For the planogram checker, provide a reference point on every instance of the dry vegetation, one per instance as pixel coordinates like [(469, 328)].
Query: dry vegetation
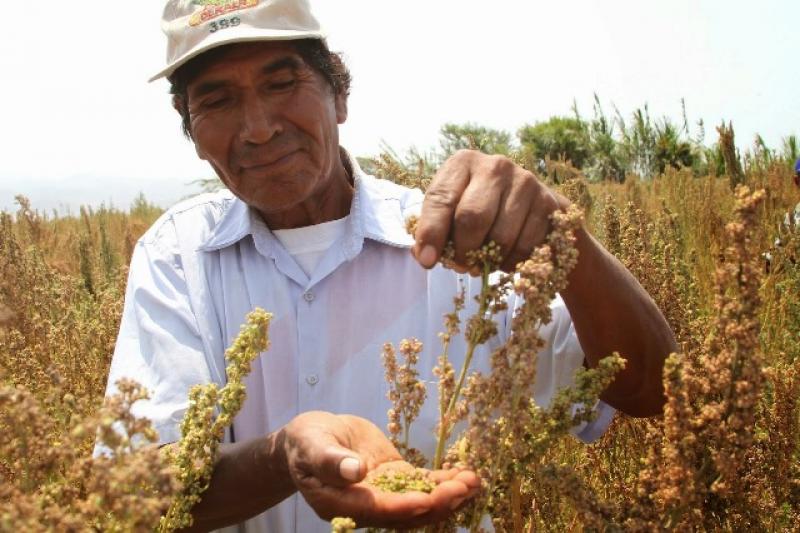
[(725, 456)]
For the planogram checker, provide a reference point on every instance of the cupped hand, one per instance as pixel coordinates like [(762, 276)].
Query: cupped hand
[(476, 198), (330, 456)]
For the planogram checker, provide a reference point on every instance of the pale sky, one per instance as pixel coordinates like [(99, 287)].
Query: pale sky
[(81, 123)]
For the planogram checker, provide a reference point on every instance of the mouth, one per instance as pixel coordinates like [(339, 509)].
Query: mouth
[(263, 166)]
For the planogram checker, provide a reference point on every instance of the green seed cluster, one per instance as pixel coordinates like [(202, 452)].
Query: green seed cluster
[(417, 480), (342, 525), (202, 431)]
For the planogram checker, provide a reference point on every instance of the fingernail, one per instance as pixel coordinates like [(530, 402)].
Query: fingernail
[(427, 257), (350, 468)]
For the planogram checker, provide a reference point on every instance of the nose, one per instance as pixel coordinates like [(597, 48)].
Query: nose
[(259, 124)]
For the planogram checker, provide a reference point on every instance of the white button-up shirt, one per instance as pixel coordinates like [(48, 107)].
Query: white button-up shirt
[(210, 260)]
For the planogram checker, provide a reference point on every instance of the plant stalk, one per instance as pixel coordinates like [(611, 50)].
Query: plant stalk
[(471, 345)]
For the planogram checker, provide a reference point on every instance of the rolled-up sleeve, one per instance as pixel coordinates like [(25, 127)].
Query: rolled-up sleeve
[(159, 343)]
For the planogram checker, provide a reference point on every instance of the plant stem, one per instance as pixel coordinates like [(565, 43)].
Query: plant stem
[(406, 423), (472, 343), (442, 408), (500, 465), (516, 504), (437, 459)]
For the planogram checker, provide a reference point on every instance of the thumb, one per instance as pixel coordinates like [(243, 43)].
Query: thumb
[(340, 466)]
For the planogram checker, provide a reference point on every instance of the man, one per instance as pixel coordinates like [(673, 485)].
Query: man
[(306, 235), (787, 227)]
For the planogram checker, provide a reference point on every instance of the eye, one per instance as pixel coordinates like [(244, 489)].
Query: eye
[(216, 103), (281, 85)]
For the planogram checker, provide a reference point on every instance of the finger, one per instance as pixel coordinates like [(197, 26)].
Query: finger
[(513, 211), (438, 208), (447, 497), (445, 474), (477, 210), (368, 506), (534, 231), (430, 508), (330, 464), (469, 478), (460, 269), (369, 441), (446, 491)]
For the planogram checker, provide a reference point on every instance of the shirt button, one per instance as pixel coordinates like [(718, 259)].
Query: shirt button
[(308, 296), (312, 380)]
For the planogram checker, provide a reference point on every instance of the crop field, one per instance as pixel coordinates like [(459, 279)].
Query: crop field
[(725, 456)]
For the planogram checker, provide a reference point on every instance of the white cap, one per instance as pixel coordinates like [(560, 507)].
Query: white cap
[(196, 26)]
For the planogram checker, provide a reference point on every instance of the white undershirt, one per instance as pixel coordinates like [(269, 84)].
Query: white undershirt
[(308, 244)]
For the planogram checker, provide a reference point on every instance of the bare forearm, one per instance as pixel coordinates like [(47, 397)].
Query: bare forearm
[(475, 198), (249, 477), (612, 312)]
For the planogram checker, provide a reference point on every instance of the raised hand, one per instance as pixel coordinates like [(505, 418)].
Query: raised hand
[(475, 198)]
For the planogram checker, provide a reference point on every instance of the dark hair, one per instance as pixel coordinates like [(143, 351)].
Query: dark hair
[(315, 54)]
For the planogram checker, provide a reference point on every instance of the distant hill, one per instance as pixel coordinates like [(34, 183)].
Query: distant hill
[(68, 194)]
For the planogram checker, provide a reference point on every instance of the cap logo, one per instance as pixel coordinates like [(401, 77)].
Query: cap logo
[(211, 9)]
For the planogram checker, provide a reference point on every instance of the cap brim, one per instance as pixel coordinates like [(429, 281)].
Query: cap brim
[(242, 35)]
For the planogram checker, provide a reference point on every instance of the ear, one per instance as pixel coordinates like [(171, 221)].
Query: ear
[(177, 103), (340, 102)]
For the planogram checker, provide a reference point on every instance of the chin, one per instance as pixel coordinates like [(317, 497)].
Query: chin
[(277, 201)]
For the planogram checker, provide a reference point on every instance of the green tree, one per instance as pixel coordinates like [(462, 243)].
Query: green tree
[(557, 138), (607, 161), (472, 136), (762, 155), (638, 142), (671, 150), (714, 160)]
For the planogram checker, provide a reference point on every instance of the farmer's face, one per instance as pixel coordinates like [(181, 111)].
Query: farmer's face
[(268, 124)]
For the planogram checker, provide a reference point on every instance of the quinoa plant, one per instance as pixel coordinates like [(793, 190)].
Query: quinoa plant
[(211, 411), (506, 432), (54, 485), (725, 456)]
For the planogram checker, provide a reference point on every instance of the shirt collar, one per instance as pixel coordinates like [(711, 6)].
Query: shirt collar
[(377, 212)]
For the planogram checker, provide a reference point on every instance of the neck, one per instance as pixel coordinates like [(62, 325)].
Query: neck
[(330, 202)]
